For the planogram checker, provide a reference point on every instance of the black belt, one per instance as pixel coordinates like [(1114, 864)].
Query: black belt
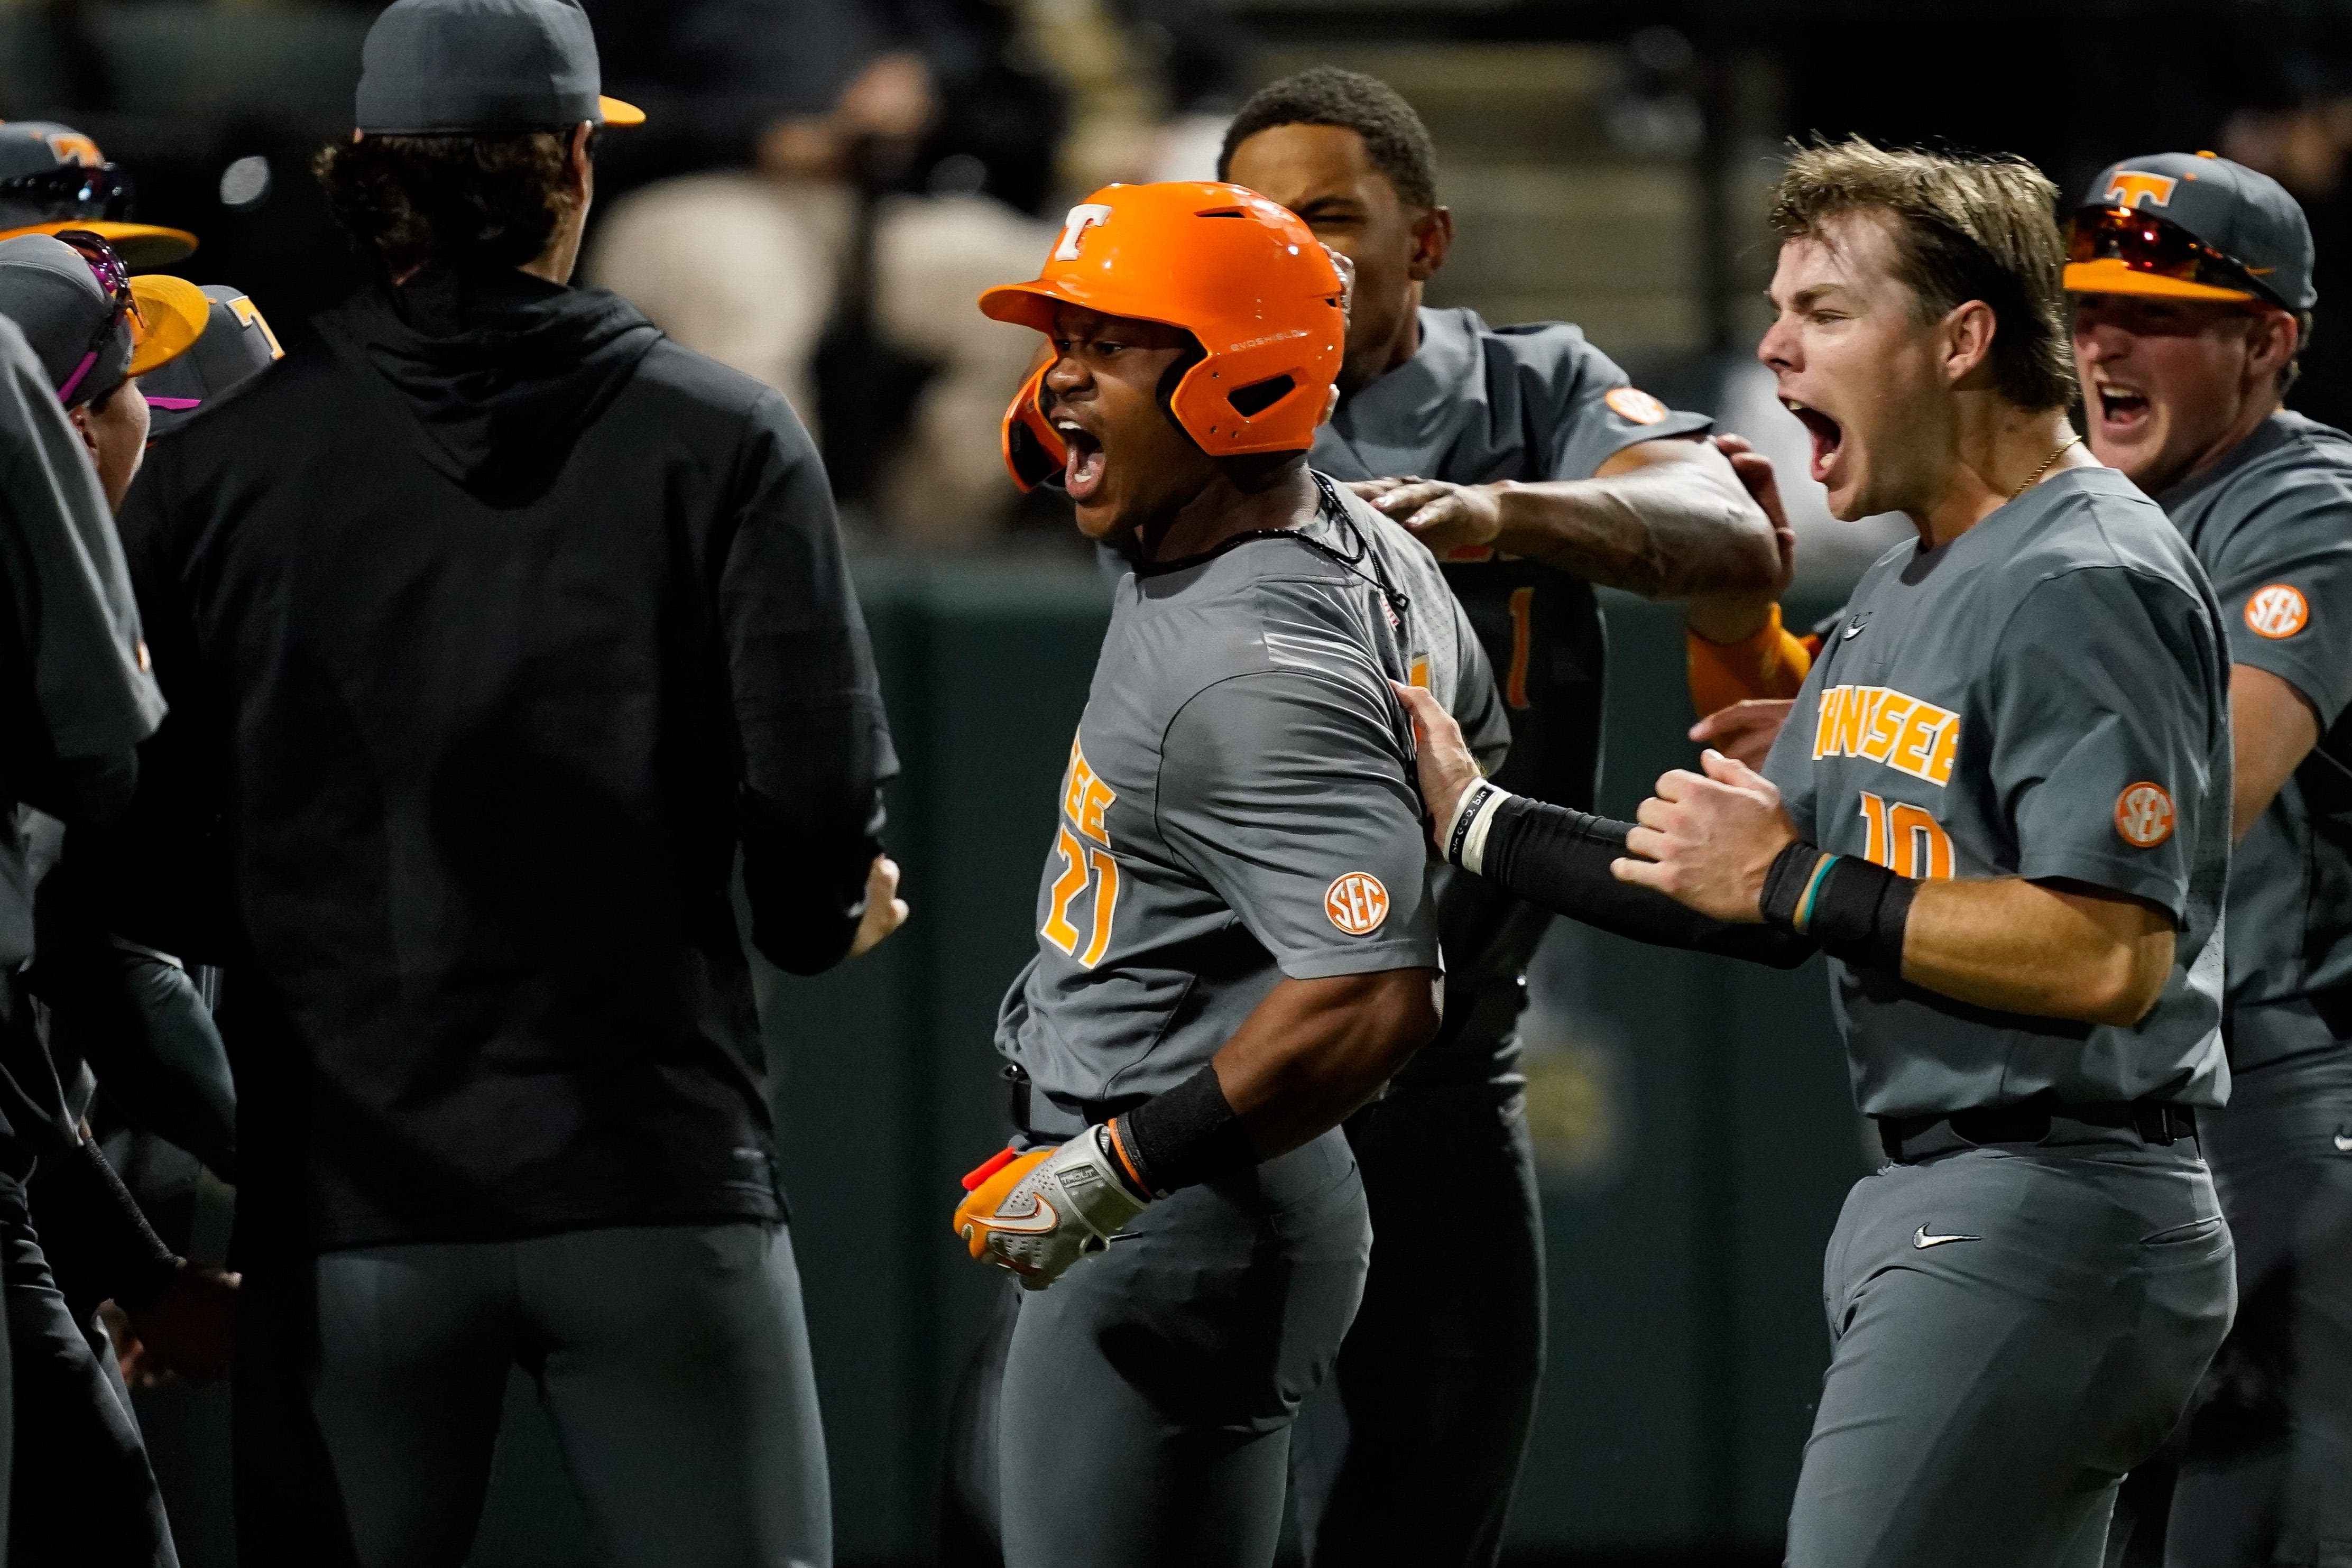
[(1023, 1100), (2157, 1121)]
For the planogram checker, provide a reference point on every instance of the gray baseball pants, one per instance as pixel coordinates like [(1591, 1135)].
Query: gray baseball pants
[(1412, 1451), (2266, 1475), (2014, 1326), (1148, 1396), (673, 1361)]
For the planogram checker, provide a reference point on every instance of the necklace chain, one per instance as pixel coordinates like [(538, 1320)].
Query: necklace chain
[(2044, 469)]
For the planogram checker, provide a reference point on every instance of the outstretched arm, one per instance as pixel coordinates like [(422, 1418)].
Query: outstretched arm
[(1665, 519), (1561, 859)]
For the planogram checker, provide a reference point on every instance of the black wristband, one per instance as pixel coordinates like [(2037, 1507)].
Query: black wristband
[(1190, 1133), (1793, 876), (1855, 910)]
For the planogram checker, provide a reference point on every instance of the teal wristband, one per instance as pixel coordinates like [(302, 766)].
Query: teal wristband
[(1803, 918)]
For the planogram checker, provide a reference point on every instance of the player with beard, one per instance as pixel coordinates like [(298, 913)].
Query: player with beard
[(1237, 933), (2003, 814), (1548, 474)]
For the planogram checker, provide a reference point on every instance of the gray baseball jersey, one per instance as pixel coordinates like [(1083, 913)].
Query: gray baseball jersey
[(2045, 697), (2272, 525), (1477, 404), (1239, 803)]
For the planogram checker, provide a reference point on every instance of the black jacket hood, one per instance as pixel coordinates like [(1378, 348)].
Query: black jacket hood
[(499, 371)]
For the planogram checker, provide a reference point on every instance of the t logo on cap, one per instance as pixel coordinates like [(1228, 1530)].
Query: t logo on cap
[(2131, 188), (73, 147)]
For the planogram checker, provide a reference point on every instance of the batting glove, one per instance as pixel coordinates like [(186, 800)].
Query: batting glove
[(1034, 1214)]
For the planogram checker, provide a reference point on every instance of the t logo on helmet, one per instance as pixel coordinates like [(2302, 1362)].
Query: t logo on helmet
[(2131, 188), (1083, 217)]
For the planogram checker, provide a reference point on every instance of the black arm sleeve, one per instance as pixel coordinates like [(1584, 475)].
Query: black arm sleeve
[(1557, 859), (98, 1242), (807, 704)]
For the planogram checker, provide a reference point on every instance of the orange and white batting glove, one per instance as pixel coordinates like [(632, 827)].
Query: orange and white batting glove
[(1034, 1215)]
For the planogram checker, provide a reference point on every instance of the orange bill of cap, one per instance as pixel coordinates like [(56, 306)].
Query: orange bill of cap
[(141, 246), (171, 316), (1031, 304), (616, 113), (2113, 275)]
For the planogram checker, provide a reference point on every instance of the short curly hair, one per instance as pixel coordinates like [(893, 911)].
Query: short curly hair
[(1394, 137), (1966, 226)]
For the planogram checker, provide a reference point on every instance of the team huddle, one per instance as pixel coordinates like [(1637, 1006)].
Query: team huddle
[(1269, 1204), (413, 711)]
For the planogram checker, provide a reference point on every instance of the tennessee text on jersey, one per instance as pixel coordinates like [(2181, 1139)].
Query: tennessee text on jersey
[(1881, 724)]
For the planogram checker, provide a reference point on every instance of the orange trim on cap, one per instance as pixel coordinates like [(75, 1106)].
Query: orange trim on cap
[(616, 113), (172, 316), (2113, 275), (1032, 305), (140, 244)]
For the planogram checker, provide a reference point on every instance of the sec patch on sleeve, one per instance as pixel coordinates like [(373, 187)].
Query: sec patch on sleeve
[(1636, 405), (2278, 611), (2144, 815), (1357, 903)]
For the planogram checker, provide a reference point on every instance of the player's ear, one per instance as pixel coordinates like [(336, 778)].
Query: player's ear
[(1967, 330), (2271, 341), (1433, 236)]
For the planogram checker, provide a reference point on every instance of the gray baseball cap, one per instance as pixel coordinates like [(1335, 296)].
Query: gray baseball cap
[(86, 348), (442, 66), (236, 346), (2245, 215), (53, 178)]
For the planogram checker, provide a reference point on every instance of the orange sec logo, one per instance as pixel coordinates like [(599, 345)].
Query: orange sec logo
[(1636, 405), (2278, 611), (1357, 903), (2144, 815)]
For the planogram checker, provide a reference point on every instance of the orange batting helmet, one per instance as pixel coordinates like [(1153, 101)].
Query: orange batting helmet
[(1244, 276)]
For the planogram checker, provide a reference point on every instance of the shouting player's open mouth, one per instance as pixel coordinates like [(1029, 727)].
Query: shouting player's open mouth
[(2121, 410), (1829, 437), (1082, 469)]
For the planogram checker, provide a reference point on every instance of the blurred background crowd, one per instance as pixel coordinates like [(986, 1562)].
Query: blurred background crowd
[(822, 188), (824, 185)]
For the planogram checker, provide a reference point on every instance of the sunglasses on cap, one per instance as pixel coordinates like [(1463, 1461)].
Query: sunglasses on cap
[(73, 190), (112, 276), (2146, 243)]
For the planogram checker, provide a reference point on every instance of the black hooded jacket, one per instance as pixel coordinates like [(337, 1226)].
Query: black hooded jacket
[(493, 623)]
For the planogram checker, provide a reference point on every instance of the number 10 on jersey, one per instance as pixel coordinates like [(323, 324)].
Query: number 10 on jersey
[(1084, 841), (1904, 838)]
